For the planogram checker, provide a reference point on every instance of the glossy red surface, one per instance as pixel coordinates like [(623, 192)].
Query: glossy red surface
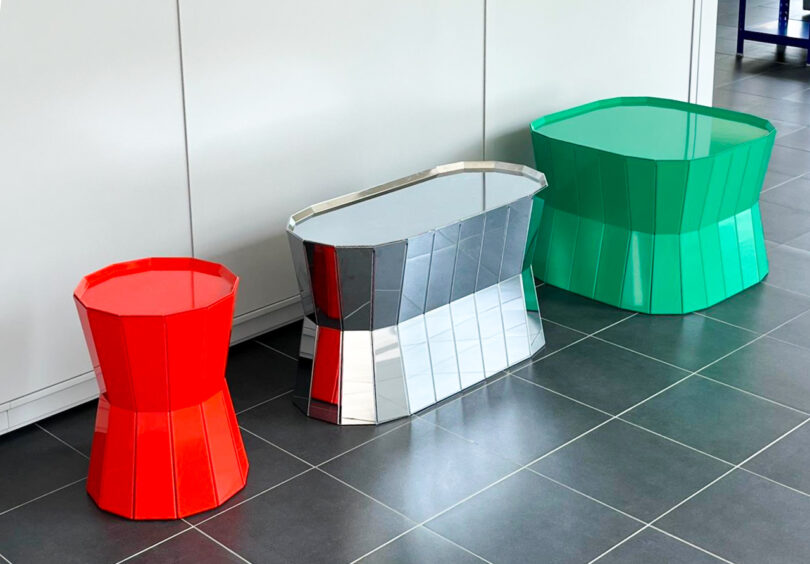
[(166, 443), (325, 286)]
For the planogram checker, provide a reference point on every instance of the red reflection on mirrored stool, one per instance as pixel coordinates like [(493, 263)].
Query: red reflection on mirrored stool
[(166, 442)]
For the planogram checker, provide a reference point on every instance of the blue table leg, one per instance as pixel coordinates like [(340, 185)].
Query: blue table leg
[(741, 27)]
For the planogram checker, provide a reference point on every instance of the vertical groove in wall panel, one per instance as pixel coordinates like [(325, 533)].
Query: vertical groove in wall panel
[(185, 127)]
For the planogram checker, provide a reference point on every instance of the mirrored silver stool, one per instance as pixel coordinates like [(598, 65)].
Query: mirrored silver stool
[(415, 290)]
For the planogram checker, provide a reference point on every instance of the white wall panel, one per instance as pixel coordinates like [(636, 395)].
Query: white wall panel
[(92, 167), (290, 103), (547, 56)]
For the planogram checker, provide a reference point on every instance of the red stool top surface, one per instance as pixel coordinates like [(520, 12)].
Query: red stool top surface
[(156, 286)]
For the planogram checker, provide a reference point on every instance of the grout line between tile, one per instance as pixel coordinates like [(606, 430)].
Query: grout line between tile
[(275, 350), (583, 494), (42, 495), (70, 446), (264, 402), (254, 496), (693, 545), (203, 533), (386, 543), (704, 488), (150, 547), (4, 559), (806, 414), (464, 548)]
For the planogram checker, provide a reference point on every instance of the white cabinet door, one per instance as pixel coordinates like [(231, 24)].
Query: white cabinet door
[(291, 103), (547, 56), (93, 167)]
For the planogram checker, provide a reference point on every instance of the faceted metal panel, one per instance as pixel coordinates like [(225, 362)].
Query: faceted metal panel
[(468, 341), (517, 229), (357, 400), (442, 347), (470, 237), (515, 323), (415, 279), (299, 258), (322, 260), (389, 265), (490, 327), (416, 362), (489, 268), (389, 375), (303, 382), (355, 273), (442, 263), (535, 324)]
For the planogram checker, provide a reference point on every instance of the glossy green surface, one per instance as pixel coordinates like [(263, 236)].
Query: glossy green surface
[(652, 132), (652, 235)]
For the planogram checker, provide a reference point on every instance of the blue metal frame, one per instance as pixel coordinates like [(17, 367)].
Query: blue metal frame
[(778, 33)]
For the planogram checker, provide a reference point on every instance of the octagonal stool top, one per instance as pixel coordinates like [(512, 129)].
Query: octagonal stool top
[(166, 442), (653, 204)]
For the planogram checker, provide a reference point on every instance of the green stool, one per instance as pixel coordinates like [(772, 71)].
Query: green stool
[(652, 204)]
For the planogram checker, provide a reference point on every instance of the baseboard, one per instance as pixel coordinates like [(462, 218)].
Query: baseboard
[(83, 388)]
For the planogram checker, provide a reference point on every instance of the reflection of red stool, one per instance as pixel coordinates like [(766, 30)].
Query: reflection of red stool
[(166, 443)]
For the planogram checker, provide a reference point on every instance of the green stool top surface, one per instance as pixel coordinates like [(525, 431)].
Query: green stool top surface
[(652, 128)]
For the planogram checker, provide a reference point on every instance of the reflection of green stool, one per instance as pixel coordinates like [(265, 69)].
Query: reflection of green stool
[(652, 204)]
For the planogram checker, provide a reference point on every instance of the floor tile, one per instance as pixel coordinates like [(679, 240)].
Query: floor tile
[(313, 518), (283, 424), (630, 469), (796, 331), (801, 242), (74, 426), (516, 419), (419, 469), (787, 461), (729, 97), (794, 194), (688, 341), (784, 128), (602, 375), (651, 546), (557, 337), (789, 269), (803, 96), (782, 110), (776, 85), (781, 224), (286, 339), (33, 463), (527, 518), (744, 518), (268, 466), (788, 160), (759, 308), (418, 547), (769, 368), (66, 527), (575, 311), (798, 140), (191, 547), (255, 374), (714, 418), (773, 178)]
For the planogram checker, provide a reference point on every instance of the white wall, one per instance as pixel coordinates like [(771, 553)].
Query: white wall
[(284, 104)]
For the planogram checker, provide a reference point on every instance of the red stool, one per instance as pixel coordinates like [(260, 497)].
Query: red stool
[(166, 442)]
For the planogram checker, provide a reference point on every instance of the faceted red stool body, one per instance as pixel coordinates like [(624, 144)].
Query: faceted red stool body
[(166, 441)]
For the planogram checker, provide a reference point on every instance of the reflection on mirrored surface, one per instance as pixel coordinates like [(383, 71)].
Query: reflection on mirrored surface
[(418, 289)]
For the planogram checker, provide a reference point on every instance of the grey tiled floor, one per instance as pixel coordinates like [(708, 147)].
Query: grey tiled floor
[(629, 438)]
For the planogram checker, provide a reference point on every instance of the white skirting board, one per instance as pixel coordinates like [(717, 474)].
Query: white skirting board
[(83, 388)]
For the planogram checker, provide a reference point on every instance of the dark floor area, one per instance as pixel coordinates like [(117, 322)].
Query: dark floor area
[(628, 438)]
